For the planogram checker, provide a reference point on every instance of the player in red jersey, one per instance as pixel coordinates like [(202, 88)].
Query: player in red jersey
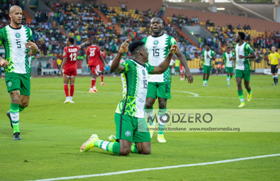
[(69, 67), (94, 59), (102, 65), (182, 72)]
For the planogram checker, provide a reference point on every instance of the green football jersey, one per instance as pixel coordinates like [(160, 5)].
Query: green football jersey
[(244, 50), (158, 49), (206, 60), (16, 54), (226, 57), (135, 83)]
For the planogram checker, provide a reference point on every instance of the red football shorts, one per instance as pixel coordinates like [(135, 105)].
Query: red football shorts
[(95, 70), (70, 72), (181, 68)]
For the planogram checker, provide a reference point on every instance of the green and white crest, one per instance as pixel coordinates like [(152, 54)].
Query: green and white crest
[(127, 133), (17, 35), (10, 84), (156, 42)]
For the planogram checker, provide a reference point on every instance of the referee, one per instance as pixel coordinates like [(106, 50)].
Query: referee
[(274, 60)]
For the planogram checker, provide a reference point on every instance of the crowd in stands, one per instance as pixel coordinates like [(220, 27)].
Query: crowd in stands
[(181, 20)]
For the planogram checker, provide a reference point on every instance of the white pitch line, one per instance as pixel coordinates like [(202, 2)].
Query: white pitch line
[(157, 168)]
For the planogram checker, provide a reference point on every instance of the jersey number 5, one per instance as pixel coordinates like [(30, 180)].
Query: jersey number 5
[(73, 56), (18, 43)]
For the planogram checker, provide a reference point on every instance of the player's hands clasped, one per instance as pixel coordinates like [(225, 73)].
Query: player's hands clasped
[(30, 45), (173, 49), (124, 46), (4, 63)]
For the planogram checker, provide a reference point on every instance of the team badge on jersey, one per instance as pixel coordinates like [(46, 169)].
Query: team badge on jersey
[(143, 71), (127, 133), (17, 35), (10, 84), (156, 42)]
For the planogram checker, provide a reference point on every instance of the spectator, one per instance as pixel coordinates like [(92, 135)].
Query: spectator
[(39, 69)]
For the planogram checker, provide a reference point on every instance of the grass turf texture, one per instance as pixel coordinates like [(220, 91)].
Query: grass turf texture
[(52, 133)]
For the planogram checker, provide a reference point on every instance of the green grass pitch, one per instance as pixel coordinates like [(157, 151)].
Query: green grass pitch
[(52, 133)]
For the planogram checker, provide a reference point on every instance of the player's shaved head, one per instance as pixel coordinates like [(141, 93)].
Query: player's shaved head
[(273, 49), (15, 13), (14, 8)]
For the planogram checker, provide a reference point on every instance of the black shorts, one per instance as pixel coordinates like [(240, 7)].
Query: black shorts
[(274, 70)]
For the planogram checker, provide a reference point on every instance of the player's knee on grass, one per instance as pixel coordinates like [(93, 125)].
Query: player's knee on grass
[(144, 148), (125, 150)]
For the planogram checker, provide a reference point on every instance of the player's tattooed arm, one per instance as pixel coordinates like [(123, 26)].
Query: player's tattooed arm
[(3, 62), (116, 67), (165, 64), (15, 96), (184, 62)]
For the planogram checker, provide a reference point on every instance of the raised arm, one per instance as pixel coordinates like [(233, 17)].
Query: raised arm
[(116, 67), (184, 62), (165, 64), (83, 44)]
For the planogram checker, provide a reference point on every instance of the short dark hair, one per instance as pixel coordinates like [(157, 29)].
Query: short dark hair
[(71, 40), (134, 45), (208, 45), (242, 35)]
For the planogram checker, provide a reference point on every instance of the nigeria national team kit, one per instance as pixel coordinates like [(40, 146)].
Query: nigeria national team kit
[(158, 48), (228, 65), (243, 68), (242, 65), (129, 114), (159, 85), (18, 70), (228, 62)]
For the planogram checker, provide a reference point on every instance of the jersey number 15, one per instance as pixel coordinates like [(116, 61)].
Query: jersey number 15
[(156, 52)]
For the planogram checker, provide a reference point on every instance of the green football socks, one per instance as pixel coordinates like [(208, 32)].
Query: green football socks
[(240, 94), (134, 148), (113, 147), (149, 115), (14, 112), (228, 79), (161, 123), (21, 108)]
